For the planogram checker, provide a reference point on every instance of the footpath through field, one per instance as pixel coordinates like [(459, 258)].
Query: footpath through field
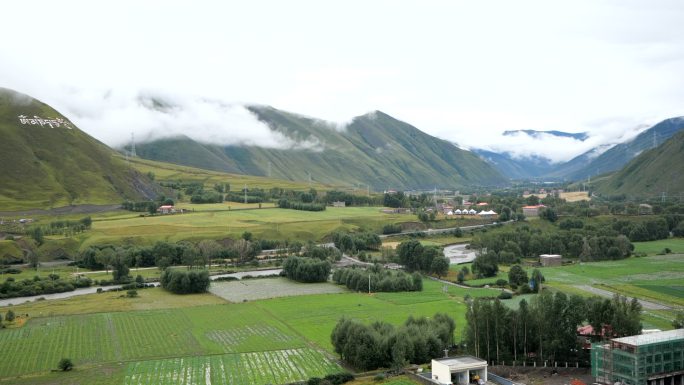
[(609, 294)]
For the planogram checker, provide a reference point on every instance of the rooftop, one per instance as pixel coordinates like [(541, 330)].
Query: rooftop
[(652, 338), (457, 362)]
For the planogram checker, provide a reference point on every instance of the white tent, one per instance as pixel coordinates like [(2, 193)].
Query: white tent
[(457, 212), (450, 213), (472, 212)]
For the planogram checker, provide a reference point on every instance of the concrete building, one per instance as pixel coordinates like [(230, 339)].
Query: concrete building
[(646, 359), (458, 370), (547, 260), (532, 211)]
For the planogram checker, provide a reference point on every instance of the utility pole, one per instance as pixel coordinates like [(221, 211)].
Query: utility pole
[(269, 169), (133, 154), (245, 193), (368, 283)]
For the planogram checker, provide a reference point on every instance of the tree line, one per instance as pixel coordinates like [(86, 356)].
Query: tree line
[(294, 205), (380, 344), (41, 285), (546, 328), (379, 279)]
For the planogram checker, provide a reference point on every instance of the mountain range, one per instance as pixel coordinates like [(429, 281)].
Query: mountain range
[(49, 162), (599, 160), (373, 149)]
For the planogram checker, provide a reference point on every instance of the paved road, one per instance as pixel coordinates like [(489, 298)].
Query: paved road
[(609, 294)]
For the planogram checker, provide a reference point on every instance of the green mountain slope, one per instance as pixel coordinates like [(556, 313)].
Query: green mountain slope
[(48, 162), (653, 172), (374, 149)]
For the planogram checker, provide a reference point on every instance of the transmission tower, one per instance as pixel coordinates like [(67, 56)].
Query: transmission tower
[(133, 154)]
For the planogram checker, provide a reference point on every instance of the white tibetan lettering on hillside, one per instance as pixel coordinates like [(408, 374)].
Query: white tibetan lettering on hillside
[(37, 120)]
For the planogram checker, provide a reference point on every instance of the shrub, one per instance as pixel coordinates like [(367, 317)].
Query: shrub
[(501, 282), (132, 293), (505, 295), (65, 364)]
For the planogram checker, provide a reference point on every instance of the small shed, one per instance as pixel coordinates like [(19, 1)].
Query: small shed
[(339, 204), (459, 370), (548, 260), (532, 211)]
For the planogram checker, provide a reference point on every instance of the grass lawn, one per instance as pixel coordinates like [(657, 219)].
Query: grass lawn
[(657, 247)]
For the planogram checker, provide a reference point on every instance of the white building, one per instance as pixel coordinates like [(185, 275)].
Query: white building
[(458, 370)]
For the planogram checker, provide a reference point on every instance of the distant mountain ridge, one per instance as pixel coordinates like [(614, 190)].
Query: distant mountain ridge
[(373, 149), (582, 136), (49, 162), (619, 155), (600, 160)]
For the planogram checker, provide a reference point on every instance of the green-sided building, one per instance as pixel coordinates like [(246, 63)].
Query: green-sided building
[(646, 359)]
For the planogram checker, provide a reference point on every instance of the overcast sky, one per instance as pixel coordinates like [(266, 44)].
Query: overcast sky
[(462, 71)]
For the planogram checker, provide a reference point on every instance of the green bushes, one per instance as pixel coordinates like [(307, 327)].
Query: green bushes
[(352, 242), (185, 281), (380, 344), (381, 280), (306, 269), (37, 286), (391, 229)]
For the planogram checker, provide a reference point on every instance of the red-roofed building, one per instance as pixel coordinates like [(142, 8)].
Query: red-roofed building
[(166, 209)]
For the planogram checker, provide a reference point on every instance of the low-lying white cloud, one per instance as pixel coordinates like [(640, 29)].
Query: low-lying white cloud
[(112, 116)]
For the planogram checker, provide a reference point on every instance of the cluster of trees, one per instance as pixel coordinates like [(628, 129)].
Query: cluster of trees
[(147, 206), (353, 242), (294, 205), (164, 254), (546, 328), (416, 257), (60, 227), (379, 279), (350, 199), (41, 285), (649, 230), (185, 281), (206, 196), (308, 270), (321, 252), (381, 344), (591, 243)]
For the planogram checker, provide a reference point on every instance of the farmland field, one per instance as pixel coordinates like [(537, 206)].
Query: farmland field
[(269, 223), (676, 245), (237, 291), (185, 341), (277, 367)]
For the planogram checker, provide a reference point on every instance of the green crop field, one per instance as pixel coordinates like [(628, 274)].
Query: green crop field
[(179, 343), (272, 223), (265, 367)]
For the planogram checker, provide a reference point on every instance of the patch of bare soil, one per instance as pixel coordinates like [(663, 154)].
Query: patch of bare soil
[(545, 376)]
